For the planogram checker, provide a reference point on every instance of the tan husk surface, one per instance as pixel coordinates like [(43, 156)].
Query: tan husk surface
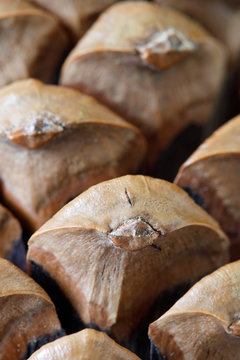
[(26, 312), (31, 40), (58, 151), (106, 246), (213, 171), (87, 344), (207, 316), (110, 62)]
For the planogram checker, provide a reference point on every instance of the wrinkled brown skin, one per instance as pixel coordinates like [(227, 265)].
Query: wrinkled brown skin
[(26, 312), (204, 323), (32, 42), (213, 171), (106, 246), (55, 143), (87, 344), (108, 63), (220, 17), (10, 231), (76, 15)]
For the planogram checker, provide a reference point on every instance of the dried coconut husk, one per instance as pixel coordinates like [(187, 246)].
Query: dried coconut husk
[(76, 15), (87, 344), (152, 65), (204, 323), (31, 40), (27, 318), (55, 143), (111, 252), (213, 172)]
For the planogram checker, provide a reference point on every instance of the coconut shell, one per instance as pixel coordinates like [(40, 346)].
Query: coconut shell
[(152, 65), (113, 250), (87, 344), (207, 316), (55, 143), (27, 317), (31, 40), (213, 172)]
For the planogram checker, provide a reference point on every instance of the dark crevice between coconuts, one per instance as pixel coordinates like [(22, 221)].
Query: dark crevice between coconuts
[(176, 153), (35, 344), (17, 255), (156, 247), (138, 343), (227, 105), (96, 327), (68, 200), (68, 317), (194, 195), (155, 354)]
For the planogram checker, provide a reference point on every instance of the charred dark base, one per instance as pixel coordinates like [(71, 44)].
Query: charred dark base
[(67, 315), (155, 354), (17, 255), (40, 341), (194, 195)]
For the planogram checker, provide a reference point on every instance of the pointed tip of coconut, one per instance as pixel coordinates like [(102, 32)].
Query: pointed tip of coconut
[(166, 48), (133, 234), (38, 131)]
